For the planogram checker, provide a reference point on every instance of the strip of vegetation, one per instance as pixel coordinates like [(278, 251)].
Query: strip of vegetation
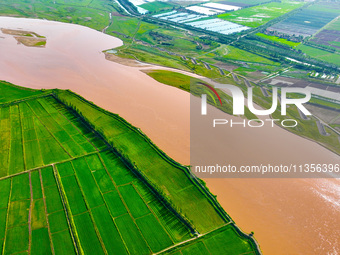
[(278, 40), (10, 92)]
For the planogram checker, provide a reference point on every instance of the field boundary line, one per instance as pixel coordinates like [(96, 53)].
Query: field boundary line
[(10, 141), (193, 239), (22, 139), (324, 27), (123, 201), (49, 114), (127, 162), (120, 196), (50, 131), (153, 213), (36, 134), (89, 208), (45, 207), (75, 126), (8, 208), (206, 247), (14, 102), (30, 215), (55, 163), (68, 213), (62, 127)]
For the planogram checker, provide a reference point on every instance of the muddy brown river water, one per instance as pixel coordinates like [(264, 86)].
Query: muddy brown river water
[(288, 216)]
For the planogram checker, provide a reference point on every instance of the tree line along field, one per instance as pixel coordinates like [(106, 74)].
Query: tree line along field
[(65, 190), (278, 40)]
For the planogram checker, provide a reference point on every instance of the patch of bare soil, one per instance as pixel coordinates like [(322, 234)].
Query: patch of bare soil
[(27, 38), (117, 14), (20, 32), (123, 61), (31, 41)]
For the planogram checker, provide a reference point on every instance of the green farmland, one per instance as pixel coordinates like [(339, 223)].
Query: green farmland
[(334, 25), (246, 2), (94, 14), (157, 6), (259, 15), (68, 186), (323, 55)]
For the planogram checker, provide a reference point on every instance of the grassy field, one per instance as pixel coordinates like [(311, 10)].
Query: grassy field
[(177, 80), (234, 53), (325, 6), (157, 6), (334, 25), (149, 55), (278, 40), (245, 2), (259, 15), (94, 14), (325, 103), (224, 55), (77, 201), (8, 92), (323, 55), (209, 244), (125, 25)]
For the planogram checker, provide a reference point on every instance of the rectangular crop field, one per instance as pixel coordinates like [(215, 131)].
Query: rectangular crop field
[(323, 55), (156, 6), (241, 3), (305, 22), (41, 131), (233, 243), (261, 14), (107, 203), (26, 224), (10, 92)]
